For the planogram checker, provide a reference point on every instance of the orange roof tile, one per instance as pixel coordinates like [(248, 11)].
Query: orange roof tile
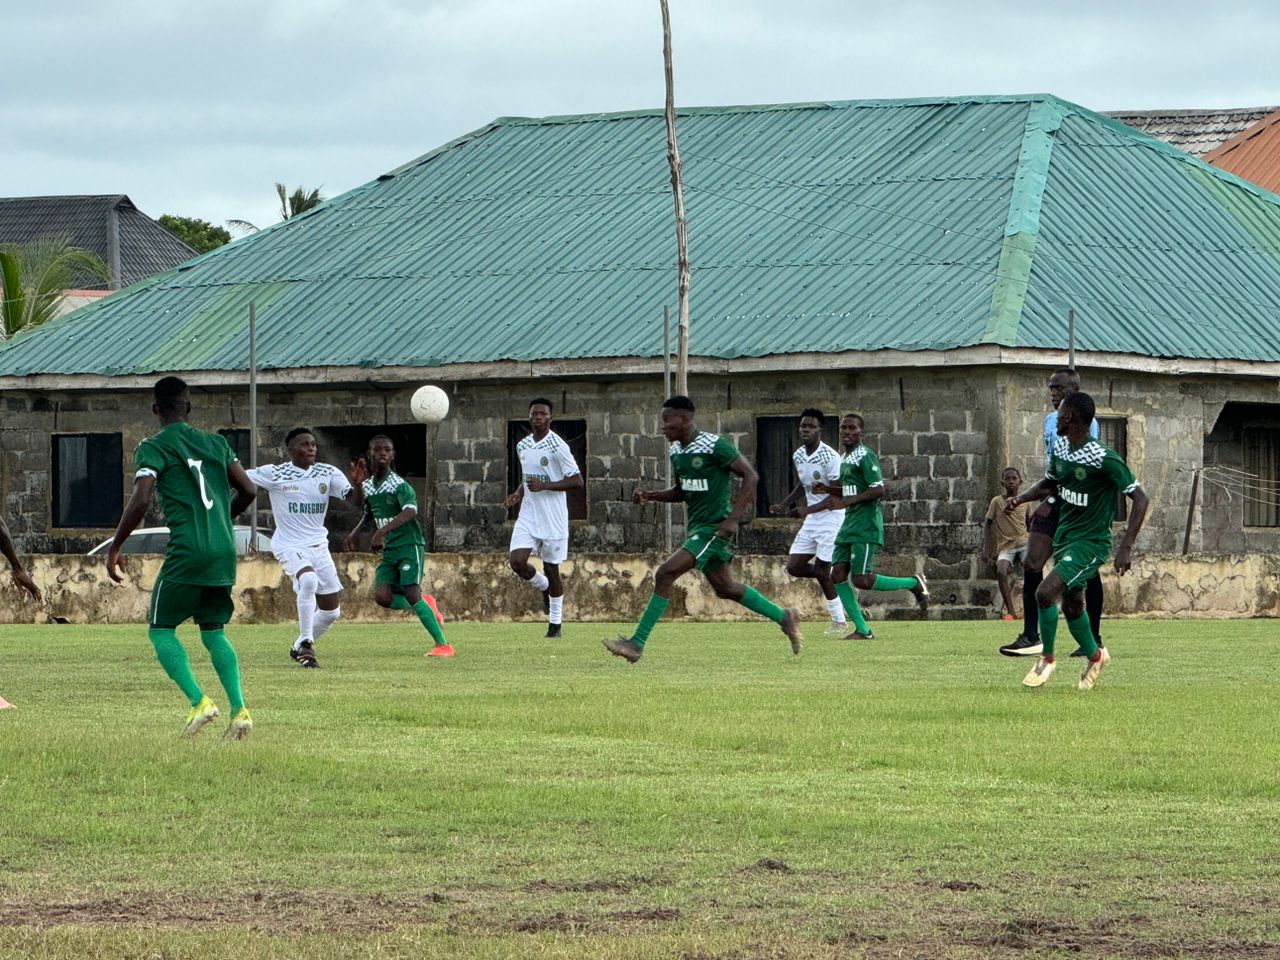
[(1253, 154)]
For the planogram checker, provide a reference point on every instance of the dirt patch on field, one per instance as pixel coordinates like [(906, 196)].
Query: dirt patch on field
[(609, 885)]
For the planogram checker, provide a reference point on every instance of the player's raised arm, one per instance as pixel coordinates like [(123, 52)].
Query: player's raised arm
[(246, 492), (1044, 488), (669, 495), (20, 575), (144, 488)]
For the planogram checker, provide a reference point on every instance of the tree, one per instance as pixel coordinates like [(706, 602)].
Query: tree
[(291, 204), (35, 275), (200, 235)]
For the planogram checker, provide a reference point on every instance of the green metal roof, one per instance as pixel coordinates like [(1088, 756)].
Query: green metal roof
[(865, 225)]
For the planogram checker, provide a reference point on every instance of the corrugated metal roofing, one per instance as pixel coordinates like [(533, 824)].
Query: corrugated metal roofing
[(146, 248), (917, 224), (1253, 154), (1192, 131)]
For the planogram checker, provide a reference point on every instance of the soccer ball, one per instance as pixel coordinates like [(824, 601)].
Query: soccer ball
[(429, 405)]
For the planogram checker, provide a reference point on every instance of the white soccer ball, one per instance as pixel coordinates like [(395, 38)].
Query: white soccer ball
[(429, 405)]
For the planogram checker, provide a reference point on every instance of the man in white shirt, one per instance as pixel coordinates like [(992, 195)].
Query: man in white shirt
[(300, 491), (542, 528), (816, 465)]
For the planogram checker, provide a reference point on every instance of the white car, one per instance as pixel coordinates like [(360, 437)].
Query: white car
[(155, 539)]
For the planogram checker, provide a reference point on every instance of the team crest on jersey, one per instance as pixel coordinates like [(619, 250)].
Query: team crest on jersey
[(817, 474), (544, 461), (697, 462), (1079, 473), (324, 488)]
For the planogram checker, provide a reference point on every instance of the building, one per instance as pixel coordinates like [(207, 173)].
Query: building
[(1253, 154), (915, 260), (1197, 132)]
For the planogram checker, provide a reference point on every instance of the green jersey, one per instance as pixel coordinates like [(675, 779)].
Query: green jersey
[(384, 501), (701, 471), (863, 522), (190, 468), (1087, 478)]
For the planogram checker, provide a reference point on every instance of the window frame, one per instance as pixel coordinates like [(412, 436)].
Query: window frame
[(1267, 473), (578, 501), (765, 438), (98, 482), (1120, 424)]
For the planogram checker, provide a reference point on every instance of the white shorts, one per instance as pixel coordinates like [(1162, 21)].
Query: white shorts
[(1013, 553), (550, 551), (294, 559), (816, 537)]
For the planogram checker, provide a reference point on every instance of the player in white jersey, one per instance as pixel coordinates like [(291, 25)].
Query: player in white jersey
[(300, 492), (548, 470), (816, 464)]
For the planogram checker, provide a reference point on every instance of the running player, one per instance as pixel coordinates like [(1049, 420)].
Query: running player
[(391, 506), (703, 465), (300, 492), (22, 580), (862, 534), (194, 473), (810, 557), (1085, 477), (543, 525)]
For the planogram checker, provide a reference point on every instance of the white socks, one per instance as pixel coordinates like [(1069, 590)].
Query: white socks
[(836, 609), (539, 581), (324, 620), (308, 584), (556, 614)]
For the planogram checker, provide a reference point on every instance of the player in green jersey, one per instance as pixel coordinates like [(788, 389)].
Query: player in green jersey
[(195, 474), (703, 465), (862, 534), (391, 506), (1085, 476), (21, 578)]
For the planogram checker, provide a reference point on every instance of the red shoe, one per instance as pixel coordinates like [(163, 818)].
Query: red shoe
[(1007, 616), (431, 602), (441, 650)]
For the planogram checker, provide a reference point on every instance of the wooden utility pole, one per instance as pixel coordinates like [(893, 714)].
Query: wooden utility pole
[(677, 187)]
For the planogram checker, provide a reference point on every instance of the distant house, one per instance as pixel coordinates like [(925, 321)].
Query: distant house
[(132, 244), (1254, 153), (1196, 132), (911, 260)]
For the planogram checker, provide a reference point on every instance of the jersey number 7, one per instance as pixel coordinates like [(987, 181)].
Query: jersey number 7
[(204, 496)]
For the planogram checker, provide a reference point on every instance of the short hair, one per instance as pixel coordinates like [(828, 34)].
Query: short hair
[(542, 400), (381, 436), (170, 393), (812, 412), (1070, 372), (1081, 404), (855, 416), (1011, 470), (297, 432), (678, 402)]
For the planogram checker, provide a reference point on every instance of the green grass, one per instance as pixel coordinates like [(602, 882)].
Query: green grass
[(903, 797)]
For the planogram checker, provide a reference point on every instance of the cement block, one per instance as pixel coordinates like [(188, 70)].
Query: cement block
[(955, 465)]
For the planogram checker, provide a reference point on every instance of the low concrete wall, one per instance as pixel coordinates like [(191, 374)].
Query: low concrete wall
[(615, 587)]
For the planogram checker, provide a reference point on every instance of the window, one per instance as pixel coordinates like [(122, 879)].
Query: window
[(88, 479), (1114, 433), (574, 433), (239, 440), (1262, 462), (776, 439)]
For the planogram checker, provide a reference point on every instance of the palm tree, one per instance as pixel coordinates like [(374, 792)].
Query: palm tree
[(291, 204), (35, 275)]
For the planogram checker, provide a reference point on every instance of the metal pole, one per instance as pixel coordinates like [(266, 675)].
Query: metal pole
[(1191, 512), (1071, 339), (666, 392), (253, 419)]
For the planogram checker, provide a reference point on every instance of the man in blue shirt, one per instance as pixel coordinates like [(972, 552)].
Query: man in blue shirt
[(1044, 521)]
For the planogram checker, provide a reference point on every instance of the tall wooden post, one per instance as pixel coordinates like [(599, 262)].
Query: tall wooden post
[(677, 187)]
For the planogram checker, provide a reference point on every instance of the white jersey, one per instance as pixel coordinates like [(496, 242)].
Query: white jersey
[(822, 466), (545, 514), (300, 500)]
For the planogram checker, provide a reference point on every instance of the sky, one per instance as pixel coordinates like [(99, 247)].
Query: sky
[(199, 109)]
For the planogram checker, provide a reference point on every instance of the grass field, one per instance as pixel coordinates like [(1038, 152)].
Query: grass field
[(898, 798)]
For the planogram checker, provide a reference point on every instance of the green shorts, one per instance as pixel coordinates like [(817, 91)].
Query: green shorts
[(401, 567), (861, 557), (710, 552), (174, 603), (1077, 563)]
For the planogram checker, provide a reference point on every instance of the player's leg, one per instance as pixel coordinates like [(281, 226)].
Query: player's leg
[(213, 613), (410, 563), (1093, 606), (1077, 564), (664, 578), (554, 553), (1003, 566), (824, 551), (841, 570), (523, 544), (863, 561), (716, 570), (1044, 521), (329, 595), (298, 565), (171, 605), (1048, 594)]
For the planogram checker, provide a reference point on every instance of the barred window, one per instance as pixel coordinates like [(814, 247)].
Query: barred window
[(1114, 433), (1262, 461), (88, 479), (574, 433), (776, 439)]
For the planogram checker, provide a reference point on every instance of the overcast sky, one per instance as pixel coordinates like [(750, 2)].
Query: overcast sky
[(199, 108)]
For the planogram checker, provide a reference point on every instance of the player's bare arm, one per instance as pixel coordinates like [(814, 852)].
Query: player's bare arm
[(20, 575), (514, 498), (742, 469), (1045, 488), (351, 542), (144, 488), (571, 482), (1137, 514), (395, 523), (788, 504), (669, 495), (246, 492)]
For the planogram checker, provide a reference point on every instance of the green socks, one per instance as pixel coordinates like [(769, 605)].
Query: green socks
[(427, 617), (1049, 629), (226, 664), (653, 612), (895, 583), (174, 660), (756, 602), (398, 602), (852, 609), (1083, 632)]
